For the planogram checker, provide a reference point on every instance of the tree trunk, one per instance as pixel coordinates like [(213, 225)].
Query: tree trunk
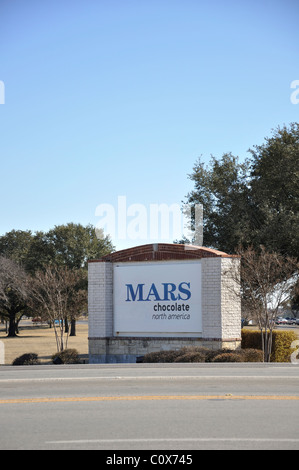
[(12, 329), (73, 327)]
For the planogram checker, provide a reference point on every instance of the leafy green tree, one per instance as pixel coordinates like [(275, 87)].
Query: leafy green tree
[(14, 293), (275, 190), (222, 188), (252, 203), (15, 245), (40, 253), (70, 245), (73, 245)]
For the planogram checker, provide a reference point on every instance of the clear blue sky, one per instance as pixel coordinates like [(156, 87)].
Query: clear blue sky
[(108, 98)]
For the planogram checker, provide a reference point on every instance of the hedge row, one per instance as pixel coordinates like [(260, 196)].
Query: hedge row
[(281, 343), (68, 356), (198, 354), (251, 350)]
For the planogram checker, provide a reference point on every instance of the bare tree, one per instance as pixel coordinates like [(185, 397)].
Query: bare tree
[(54, 293), (14, 293), (77, 307), (267, 281)]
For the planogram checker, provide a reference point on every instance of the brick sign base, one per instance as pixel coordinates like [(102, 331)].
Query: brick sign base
[(161, 297)]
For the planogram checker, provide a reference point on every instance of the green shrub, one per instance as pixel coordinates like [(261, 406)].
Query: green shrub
[(28, 359), (212, 353), (201, 354), (251, 339), (161, 356), (252, 355), (68, 356), (282, 340), (185, 354), (238, 355), (228, 357), (192, 354), (191, 357)]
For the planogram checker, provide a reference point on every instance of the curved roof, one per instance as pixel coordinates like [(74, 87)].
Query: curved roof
[(163, 252)]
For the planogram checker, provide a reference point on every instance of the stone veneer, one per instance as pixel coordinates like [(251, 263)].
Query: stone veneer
[(221, 308)]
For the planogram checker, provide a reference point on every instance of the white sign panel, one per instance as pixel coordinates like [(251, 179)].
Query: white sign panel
[(157, 298)]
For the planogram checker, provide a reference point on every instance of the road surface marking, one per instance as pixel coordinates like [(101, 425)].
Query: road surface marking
[(167, 440), (149, 377), (228, 396)]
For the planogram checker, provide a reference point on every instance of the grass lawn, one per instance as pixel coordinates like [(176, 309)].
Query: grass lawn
[(40, 339)]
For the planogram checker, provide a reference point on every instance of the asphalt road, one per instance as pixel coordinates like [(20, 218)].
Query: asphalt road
[(140, 406)]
